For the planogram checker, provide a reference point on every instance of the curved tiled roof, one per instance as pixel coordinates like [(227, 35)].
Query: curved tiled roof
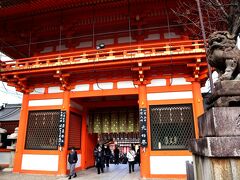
[(11, 112)]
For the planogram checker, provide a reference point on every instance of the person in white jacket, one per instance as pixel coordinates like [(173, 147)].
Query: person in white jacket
[(131, 159)]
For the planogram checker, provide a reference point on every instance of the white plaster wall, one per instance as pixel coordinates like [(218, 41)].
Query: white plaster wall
[(46, 102), (78, 163), (84, 44), (101, 86), (54, 89), (81, 87), (152, 37), (105, 41), (38, 91), (125, 40), (40, 162), (179, 81), (5, 157), (171, 35), (169, 95), (168, 164), (125, 84), (157, 82)]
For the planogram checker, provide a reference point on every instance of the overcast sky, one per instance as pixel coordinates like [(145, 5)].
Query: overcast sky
[(10, 96), (7, 93)]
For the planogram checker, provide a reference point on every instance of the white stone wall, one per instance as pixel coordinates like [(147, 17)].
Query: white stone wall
[(169, 164)]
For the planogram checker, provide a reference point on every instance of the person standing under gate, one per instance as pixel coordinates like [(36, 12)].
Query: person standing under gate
[(72, 159), (116, 155), (108, 154), (131, 159), (138, 158), (99, 158)]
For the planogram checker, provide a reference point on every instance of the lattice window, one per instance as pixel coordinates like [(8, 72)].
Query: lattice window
[(42, 130), (171, 126)]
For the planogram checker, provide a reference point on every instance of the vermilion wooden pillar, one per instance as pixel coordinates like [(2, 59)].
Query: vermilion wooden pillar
[(197, 104), (83, 139), (62, 163), (145, 152), (21, 134)]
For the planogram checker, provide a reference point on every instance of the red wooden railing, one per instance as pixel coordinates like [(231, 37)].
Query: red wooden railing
[(117, 54)]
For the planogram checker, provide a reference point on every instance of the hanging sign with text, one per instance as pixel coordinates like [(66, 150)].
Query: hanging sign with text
[(61, 128), (143, 126)]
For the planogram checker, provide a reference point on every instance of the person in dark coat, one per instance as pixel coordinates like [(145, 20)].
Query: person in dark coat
[(104, 155), (108, 154), (72, 160), (116, 155), (99, 158), (138, 160)]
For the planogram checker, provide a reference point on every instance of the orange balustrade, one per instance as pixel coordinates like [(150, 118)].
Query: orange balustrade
[(121, 53)]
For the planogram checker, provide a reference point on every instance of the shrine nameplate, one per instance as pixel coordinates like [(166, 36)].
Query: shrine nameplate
[(61, 127), (143, 126)]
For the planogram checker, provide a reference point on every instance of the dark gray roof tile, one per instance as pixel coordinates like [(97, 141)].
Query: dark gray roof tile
[(11, 112)]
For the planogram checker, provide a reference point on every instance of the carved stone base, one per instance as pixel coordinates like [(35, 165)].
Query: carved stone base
[(226, 93)]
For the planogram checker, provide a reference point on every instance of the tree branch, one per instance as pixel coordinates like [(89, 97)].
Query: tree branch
[(222, 9)]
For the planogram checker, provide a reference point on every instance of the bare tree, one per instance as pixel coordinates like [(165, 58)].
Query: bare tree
[(218, 15)]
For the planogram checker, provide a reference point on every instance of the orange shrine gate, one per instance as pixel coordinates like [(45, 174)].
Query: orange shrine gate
[(145, 79)]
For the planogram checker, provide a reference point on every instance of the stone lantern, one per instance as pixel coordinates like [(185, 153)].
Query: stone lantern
[(13, 138), (2, 131)]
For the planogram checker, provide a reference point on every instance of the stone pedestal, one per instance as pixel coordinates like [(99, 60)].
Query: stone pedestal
[(12, 148), (13, 138), (226, 93), (217, 151)]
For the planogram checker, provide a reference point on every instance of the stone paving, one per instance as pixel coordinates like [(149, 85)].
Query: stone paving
[(114, 172)]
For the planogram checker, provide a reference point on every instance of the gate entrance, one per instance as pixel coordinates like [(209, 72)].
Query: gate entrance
[(114, 122)]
